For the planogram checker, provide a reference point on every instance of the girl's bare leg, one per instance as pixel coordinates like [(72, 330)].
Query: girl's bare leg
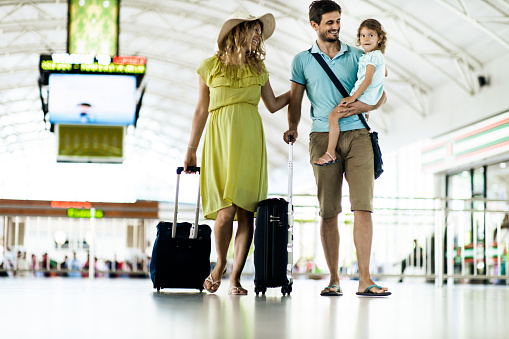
[(330, 154)]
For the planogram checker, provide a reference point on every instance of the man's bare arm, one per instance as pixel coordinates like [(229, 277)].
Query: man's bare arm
[(358, 107), (294, 111)]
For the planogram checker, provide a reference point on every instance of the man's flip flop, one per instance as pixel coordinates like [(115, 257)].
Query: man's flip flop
[(330, 293), (367, 292)]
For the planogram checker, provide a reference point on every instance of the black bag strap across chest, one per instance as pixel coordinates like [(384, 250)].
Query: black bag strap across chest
[(336, 82)]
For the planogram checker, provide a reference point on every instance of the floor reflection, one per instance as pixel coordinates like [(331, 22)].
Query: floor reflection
[(124, 308)]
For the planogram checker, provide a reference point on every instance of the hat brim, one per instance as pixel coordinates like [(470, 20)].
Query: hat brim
[(268, 21)]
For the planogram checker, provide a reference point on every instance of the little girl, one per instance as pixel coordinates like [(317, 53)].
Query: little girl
[(369, 85)]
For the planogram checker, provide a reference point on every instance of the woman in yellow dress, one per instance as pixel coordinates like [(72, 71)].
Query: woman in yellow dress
[(234, 159)]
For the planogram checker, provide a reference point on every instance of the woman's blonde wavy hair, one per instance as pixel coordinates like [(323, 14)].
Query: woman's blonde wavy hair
[(231, 49)]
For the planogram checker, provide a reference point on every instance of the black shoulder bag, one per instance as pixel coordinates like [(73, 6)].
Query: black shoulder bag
[(377, 153)]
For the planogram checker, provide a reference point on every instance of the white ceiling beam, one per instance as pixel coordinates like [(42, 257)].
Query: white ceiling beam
[(415, 105), (493, 19), (474, 22), (500, 11), (463, 6), (17, 5), (504, 3)]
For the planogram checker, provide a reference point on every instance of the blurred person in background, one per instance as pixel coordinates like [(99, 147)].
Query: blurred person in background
[(502, 241), (34, 265), (74, 266), (64, 267), (9, 262), (3, 265), (22, 264)]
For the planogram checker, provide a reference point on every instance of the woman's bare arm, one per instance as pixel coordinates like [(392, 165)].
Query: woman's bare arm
[(272, 102), (199, 120)]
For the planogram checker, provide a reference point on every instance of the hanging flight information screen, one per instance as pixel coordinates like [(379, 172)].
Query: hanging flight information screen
[(92, 99)]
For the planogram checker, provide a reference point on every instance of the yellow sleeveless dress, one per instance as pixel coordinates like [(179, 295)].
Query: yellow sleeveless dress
[(234, 158)]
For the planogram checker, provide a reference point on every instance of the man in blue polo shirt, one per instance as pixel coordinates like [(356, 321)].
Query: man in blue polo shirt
[(354, 151)]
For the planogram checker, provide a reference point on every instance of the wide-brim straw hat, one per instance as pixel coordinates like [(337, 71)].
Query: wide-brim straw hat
[(268, 21)]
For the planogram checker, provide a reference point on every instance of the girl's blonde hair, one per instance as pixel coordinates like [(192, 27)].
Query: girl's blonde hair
[(378, 28), (231, 49)]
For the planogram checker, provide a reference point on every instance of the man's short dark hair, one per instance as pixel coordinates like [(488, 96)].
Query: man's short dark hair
[(321, 7)]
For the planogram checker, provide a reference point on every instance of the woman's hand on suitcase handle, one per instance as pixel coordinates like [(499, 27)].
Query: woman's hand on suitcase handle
[(190, 160), (189, 169)]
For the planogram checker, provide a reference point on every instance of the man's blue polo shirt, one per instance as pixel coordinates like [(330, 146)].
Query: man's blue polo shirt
[(322, 93)]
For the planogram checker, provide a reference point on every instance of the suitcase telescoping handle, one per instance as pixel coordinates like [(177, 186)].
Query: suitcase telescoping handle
[(289, 271), (290, 170), (194, 229)]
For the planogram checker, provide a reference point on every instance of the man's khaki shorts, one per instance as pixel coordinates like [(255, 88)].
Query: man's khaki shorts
[(355, 160)]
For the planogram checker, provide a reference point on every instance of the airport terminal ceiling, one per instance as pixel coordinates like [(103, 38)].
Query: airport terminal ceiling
[(435, 48)]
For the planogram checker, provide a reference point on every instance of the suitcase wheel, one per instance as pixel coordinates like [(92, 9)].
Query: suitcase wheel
[(286, 290), (158, 288), (261, 289)]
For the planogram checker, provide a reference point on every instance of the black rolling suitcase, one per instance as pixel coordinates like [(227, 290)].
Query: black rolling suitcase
[(273, 241), (181, 255)]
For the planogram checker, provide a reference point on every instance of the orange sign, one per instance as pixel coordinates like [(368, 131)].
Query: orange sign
[(71, 204)]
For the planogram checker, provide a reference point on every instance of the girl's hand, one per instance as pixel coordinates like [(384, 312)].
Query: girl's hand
[(346, 101)]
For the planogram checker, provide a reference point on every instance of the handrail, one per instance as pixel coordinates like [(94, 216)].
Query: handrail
[(398, 223)]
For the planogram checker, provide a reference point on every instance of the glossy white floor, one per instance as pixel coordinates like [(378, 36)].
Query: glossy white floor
[(130, 308)]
